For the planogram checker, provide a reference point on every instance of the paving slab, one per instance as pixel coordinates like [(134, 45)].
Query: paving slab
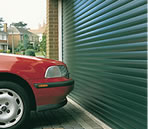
[(67, 117)]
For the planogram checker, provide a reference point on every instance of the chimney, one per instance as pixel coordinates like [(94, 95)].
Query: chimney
[(5, 27)]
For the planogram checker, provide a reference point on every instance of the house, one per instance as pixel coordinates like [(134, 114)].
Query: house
[(40, 31), (4, 39), (16, 35)]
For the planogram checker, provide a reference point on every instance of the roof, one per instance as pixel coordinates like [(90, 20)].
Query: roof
[(17, 30), (40, 30), (25, 31), (13, 30)]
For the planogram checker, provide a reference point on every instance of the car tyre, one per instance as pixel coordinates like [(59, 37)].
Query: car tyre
[(14, 106)]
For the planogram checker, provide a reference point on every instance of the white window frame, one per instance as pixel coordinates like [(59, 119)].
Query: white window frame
[(60, 29)]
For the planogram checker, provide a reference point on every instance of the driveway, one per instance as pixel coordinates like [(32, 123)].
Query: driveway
[(68, 117)]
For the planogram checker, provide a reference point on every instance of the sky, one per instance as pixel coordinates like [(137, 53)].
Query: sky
[(32, 12)]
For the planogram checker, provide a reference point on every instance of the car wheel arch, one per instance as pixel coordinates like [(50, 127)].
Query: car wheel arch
[(24, 84)]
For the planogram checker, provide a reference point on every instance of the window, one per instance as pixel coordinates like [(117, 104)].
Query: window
[(3, 37)]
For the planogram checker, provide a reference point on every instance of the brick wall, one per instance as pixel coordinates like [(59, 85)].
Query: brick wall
[(52, 29), (16, 39)]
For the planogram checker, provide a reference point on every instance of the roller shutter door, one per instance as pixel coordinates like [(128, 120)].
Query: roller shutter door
[(104, 46)]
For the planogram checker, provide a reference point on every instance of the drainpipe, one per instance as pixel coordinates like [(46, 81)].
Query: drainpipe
[(6, 30), (12, 42), (12, 39), (7, 42)]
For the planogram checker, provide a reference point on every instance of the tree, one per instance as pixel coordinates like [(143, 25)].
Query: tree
[(20, 47), (30, 52), (36, 46), (43, 45), (1, 21), (24, 45), (20, 24), (26, 41)]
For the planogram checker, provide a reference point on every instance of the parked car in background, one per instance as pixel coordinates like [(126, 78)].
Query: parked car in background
[(30, 83)]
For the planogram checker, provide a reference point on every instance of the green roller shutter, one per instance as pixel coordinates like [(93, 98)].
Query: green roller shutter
[(104, 46)]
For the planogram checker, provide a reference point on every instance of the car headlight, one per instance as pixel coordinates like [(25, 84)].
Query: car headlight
[(56, 71)]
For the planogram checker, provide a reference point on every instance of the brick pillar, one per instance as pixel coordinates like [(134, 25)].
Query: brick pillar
[(52, 29), (5, 27)]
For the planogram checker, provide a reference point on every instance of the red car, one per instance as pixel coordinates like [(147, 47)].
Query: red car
[(30, 83)]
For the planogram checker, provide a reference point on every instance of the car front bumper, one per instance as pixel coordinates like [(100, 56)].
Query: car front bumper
[(51, 106), (54, 84), (51, 93)]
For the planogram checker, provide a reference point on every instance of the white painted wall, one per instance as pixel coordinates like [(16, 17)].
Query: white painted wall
[(3, 36)]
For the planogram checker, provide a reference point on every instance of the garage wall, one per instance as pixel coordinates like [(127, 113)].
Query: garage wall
[(52, 29), (104, 46)]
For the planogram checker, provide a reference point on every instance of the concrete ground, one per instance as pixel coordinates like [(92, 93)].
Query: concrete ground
[(68, 117)]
